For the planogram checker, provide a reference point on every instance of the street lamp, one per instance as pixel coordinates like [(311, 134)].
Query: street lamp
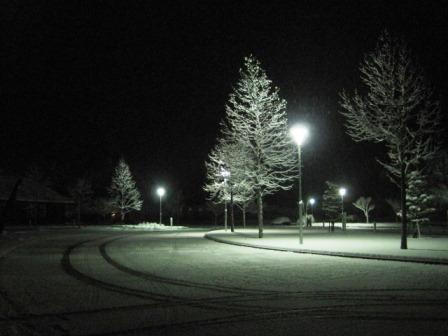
[(299, 133), (342, 192), (312, 201), (225, 175), (160, 192)]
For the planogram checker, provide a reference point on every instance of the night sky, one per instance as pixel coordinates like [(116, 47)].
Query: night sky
[(85, 82)]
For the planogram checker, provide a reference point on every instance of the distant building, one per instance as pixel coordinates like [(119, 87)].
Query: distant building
[(34, 203)]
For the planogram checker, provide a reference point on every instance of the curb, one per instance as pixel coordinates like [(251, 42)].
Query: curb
[(428, 261)]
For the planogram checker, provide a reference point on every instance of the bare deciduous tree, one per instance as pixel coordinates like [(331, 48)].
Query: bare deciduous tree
[(398, 110), (365, 205), (256, 119), (104, 207), (237, 188)]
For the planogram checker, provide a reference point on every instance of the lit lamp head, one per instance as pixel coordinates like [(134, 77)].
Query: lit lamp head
[(299, 134), (342, 192), (312, 201), (160, 191)]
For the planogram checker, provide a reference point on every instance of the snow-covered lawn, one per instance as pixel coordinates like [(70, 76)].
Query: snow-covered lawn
[(148, 226), (350, 241)]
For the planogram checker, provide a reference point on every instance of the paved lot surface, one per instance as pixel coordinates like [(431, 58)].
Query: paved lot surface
[(83, 282)]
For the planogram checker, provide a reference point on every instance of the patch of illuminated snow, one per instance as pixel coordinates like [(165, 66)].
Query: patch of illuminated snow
[(149, 226)]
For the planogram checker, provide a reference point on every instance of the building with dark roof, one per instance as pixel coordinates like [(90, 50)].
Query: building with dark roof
[(28, 202)]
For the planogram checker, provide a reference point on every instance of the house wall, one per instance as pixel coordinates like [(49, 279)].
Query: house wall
[(34, 214)]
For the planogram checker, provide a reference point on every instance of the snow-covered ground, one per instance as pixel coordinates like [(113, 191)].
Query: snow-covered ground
[(148, 226), (350, 242), (177, 283)]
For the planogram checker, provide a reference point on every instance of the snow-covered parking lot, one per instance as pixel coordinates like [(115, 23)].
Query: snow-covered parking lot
[(120, 282)]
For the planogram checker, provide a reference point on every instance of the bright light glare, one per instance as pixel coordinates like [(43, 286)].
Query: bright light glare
[(160, 191), (225, 173), (342, 191), (299, 133), (312, 201)]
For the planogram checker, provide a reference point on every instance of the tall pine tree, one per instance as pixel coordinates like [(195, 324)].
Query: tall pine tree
[(123, 191), (331, 202)]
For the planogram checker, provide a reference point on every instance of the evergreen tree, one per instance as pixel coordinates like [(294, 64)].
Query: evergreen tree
[(331, 202), (418, 199), (123, 191), (438, 179), (256, 120)]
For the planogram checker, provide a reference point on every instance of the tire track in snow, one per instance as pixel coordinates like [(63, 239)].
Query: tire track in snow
[(16, 308), (323, 313), (331, 311), (247, 293), (212, 303), (178, 282)]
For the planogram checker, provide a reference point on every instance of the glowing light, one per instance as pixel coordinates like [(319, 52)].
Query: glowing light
[(312, 201), (299, 134), (161, 191), (342, 192), (225, 174)]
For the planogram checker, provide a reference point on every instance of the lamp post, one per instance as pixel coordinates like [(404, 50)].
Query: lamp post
[(160, 192), (312, 201), (225, 174), (299, 133), (342, 192)]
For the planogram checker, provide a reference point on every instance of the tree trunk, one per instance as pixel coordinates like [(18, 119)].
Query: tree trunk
[(232, 217), (260, 215), (418, 233), (122, 216), (367, 218), (244, 216), (404, 228)]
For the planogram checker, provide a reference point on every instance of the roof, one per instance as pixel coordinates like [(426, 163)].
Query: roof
[(30, 191)]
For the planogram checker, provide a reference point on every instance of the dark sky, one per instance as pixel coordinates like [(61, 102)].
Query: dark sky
[(84, 82)]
